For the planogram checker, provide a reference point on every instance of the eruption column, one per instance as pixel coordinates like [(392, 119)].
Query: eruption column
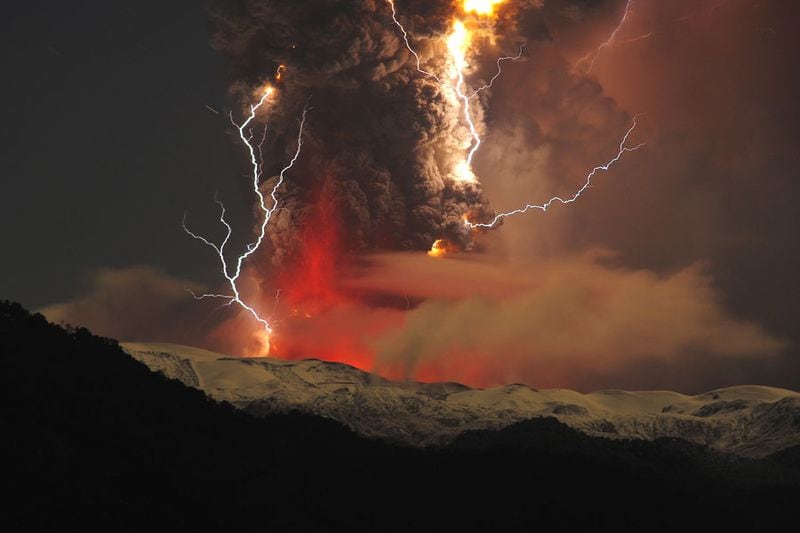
[(235, 297)]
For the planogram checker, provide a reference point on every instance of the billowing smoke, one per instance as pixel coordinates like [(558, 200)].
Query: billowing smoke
[(378, 173), (697, 293), (383, 140), (576, 320)]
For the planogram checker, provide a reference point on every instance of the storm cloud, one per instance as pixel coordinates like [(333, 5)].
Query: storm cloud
[(383, 139)]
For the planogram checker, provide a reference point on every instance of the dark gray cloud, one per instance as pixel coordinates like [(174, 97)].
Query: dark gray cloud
[(382, 138)]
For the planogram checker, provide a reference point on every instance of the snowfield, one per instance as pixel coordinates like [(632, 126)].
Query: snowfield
[(747, 420)]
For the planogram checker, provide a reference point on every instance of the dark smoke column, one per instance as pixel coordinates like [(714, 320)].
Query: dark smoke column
[(381, 137)]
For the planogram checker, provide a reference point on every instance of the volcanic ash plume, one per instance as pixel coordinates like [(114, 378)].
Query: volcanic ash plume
[(380, 168)]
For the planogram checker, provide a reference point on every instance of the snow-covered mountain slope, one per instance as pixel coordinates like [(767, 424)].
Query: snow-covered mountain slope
[(747, 420)]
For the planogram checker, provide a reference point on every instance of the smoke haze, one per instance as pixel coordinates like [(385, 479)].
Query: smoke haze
[(677, 269)]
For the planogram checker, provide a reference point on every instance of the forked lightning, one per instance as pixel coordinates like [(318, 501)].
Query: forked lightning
[(586, 184), (246, 136)]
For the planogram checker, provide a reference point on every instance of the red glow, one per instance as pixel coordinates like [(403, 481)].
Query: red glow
[(309, 284), (321, 319), (318, 318)]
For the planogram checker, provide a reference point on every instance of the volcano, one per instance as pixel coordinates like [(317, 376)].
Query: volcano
[(749, 420), (97, 439)]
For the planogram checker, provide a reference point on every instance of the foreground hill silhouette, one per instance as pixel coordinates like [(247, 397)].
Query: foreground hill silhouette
[(93, 438)]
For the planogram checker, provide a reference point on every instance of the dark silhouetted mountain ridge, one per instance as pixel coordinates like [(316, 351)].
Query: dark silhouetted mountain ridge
[(93, 438)]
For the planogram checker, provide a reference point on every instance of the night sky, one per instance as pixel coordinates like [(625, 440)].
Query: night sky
[(678, 269), (106, 141)]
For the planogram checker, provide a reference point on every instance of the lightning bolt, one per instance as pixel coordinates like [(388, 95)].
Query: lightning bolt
[(636, 39), (408, 44), (622, 149), (463, 170), (592, 58), (434, 76), (232, 272), (499, 70), (456, 44), (458, 56)]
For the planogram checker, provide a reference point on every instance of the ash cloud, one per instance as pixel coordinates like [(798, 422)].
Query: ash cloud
[(381, 137), (145, 304), (717, 180), (138, 303), (578, 321), (714, 186)]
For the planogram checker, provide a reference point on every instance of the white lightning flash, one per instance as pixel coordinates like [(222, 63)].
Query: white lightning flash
[(257, 167), (592, 58), (499, 70), (434, 76), (623, 148), (457, 44), (408, 44)]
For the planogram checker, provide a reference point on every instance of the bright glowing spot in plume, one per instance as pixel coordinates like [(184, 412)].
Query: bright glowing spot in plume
[(458, 42), (457, 45), (438, 249), (481, 7), (463, 173), (259, 344)]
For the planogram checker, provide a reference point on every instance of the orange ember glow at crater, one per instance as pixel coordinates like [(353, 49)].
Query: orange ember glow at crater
[(480, 7), (441, 248), (259, 345)]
